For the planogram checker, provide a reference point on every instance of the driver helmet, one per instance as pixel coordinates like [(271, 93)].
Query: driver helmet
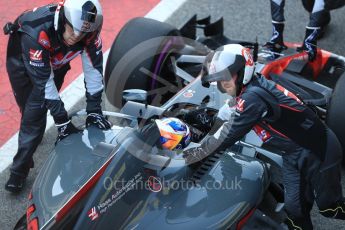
[(84, 16), (226, 61), (174, 133)]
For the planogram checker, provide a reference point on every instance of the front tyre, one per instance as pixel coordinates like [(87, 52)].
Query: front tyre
[(139, 55)]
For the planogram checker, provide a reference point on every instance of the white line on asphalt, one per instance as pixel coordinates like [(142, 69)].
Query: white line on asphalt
[(76, 90)]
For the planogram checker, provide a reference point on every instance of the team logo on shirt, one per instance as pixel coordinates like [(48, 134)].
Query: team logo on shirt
[(262, 133), (35, 55), (36, 58), (240, 105), (43, 39)]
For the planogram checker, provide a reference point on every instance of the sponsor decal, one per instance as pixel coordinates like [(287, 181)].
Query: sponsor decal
[(121, 187), (36, 64), (35, 55), (60, 4), (190, 93), (262, 133), (93, 214), (44, 40), (240, 105), (154, 184), (246, 54)]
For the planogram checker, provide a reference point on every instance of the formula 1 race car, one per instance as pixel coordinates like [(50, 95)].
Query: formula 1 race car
[(320, 83), (116, 179)]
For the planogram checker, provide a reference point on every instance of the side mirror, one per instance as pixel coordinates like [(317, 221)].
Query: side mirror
[(137, 95)]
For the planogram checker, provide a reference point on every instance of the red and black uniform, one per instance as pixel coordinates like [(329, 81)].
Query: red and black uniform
[(311, 152), (37, 62)]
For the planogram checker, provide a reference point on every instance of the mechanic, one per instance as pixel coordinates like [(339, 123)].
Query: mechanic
[(311, 152), (320, 17), (42, 42)]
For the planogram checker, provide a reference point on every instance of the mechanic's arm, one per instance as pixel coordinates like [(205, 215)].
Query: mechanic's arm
[(92, 59), (249, 111), (44, 93)]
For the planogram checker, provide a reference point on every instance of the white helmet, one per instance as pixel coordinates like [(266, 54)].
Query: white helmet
[(84, 16), (226, 61)]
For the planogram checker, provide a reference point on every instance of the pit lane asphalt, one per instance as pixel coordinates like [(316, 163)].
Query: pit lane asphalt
[(244, 19)]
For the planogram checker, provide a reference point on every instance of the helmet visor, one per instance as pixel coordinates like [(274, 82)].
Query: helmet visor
[(228, 73), (75, 31), (223, 75), (72, 36)]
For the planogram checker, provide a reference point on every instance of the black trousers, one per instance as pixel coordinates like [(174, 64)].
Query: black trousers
[(306, 179), (321, 18), (33, 111)]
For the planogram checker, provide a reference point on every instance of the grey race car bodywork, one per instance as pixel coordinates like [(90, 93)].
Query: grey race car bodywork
[(87, 161)]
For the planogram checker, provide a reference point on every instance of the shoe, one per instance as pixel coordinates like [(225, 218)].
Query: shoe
[(276, 43), (275, 47), (298, 223), (15, 183), (336, 211)]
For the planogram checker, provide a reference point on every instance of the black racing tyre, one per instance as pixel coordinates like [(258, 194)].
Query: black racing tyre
[(336, 112), (140, 53)]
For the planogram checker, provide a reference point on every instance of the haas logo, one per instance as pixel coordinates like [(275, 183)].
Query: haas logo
[(240, 105), (249, 59), (35, 55), (93, 214), (154, 184)]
